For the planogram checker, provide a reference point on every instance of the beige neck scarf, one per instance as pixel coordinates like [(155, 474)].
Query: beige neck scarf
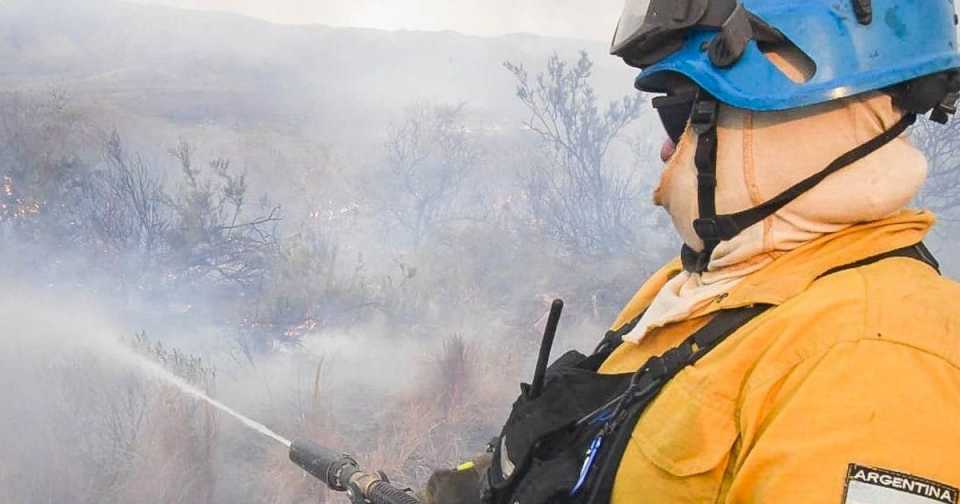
[(763, 153)]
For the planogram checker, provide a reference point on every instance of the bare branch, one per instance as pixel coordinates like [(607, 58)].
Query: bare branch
[(578, 197)]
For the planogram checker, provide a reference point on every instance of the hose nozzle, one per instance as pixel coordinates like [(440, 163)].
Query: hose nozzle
[(332, 468), (341, 473)]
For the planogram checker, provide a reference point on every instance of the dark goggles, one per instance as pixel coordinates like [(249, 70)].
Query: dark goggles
[(650, 30), (674, 114), (676, 106)]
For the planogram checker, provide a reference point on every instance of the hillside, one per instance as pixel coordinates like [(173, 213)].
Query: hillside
[(209, 67)]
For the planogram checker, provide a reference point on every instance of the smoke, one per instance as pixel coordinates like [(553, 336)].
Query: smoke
[(564, 18), (78, 385), (51, 323), (388, 309), (307, 225)]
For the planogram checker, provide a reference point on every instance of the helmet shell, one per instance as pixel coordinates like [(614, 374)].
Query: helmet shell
[(905, 40)]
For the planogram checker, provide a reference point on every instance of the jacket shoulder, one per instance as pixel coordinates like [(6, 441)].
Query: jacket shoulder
[(874, 346), (907, 302), (898, 301)]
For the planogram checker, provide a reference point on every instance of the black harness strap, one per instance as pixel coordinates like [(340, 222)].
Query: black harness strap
[(582, 411), (918, 252), (704, 123), (728, 226), (713, 228), (613, 338), (648, 382), (723, 325)]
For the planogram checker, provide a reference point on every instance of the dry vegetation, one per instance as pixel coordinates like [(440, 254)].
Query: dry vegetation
[(388, 308)]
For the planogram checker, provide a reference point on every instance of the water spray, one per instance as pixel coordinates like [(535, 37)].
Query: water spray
[(338, 471), (154, 369)]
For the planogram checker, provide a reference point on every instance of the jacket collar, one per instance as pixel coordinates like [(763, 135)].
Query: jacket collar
[(794, 271)]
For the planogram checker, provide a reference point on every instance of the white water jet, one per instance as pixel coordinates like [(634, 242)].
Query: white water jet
[(130, 357), (57, 324)]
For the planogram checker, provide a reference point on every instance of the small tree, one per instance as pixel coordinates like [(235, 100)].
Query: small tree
[(576, 194), (123, 206), (211, 232), (429, 155)]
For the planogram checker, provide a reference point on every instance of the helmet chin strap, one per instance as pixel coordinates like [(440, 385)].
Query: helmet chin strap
[(712, 228), (703, 120)]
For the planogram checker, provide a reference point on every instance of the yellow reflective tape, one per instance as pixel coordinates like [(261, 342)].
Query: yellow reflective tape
[(466, 466)]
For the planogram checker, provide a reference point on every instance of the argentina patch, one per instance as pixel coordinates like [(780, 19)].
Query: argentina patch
[(872, 485)]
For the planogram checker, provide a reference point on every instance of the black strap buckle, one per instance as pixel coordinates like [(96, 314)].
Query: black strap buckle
[(645, 379), (704, 116), (719, 228), (692, 259), (677, 358), (707, 228), (946, 108), (655, 370)]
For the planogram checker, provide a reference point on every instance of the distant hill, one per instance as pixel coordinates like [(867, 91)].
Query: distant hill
[(192, 66)]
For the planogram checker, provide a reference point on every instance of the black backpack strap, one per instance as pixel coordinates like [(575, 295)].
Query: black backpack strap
[(917, 251), (646, 385), (610, 342), (658, 371)]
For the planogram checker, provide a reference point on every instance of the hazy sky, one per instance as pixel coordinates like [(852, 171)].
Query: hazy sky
[(591, 19)]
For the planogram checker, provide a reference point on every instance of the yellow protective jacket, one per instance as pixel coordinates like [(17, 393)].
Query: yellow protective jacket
[(847, 390)]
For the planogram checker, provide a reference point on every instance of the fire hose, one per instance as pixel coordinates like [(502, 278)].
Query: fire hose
[(342, 473)]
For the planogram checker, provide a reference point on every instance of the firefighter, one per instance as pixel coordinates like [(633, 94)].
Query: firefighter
[(804, 347)]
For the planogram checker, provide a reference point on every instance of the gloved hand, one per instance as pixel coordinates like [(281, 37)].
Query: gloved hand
[(457, 486)]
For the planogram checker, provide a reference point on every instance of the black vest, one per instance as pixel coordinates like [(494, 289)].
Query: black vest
[(565, 445)]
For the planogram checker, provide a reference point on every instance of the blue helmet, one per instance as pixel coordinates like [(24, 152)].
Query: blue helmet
[(701, 52), (853, 46)]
